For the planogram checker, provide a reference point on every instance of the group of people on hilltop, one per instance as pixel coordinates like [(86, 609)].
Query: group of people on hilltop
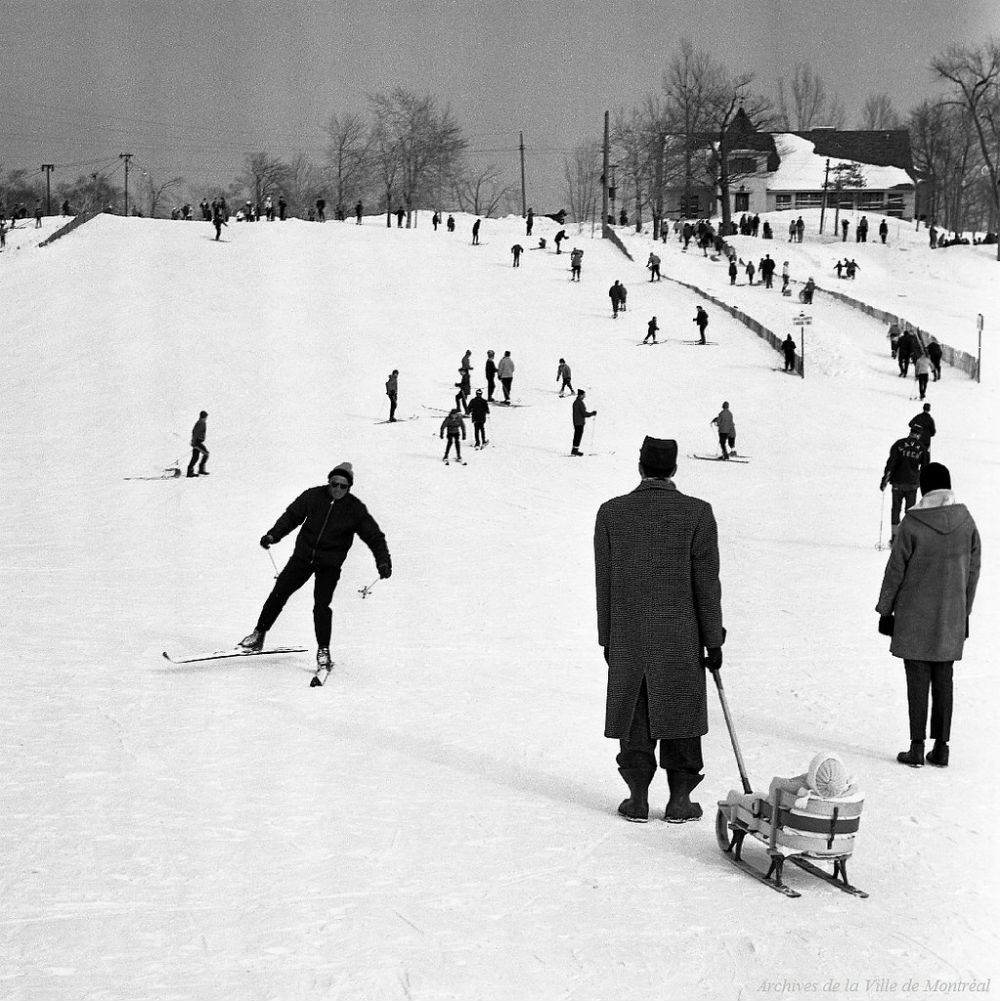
[(906, 345)]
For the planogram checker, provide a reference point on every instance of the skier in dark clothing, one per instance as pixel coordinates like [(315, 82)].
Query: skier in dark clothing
[(464, 387), (479, 410), (358, 212), (475, 233), (218, 220), (651, 329), (934, 353), (883, 230), (906, 350), (321, 209), (451, 224), (788, 348), (530, 222), (575, 264), (330, 517), (517, 250), (559, 237), (701, 318), (392, 390), (926, 428), (491, 375), (615, 294), (454, 426), (580, 415), (733, 270), (565, 375), (902, 470), (198, 450)]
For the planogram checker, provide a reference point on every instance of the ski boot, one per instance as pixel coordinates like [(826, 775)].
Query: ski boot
[(938, 755), (252, 643), (914, 757), (323, 662)]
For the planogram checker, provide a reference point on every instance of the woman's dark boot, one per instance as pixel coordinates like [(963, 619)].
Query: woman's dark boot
[(680, 809), (914, 757), (636, 807), (938, 755)]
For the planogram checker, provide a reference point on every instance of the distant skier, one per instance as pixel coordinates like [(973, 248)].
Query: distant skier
[(651, 329), (330, 518), (517, 250), (653, 264), (922, 370), (475, 232), (751, 270), (727, 431), (767, 271), (282, 209), (733, 270), (392, 391), (575, 264), (786, 277), (454, 426), (464, 387), (925, 427), (358, 212), (844, 226), (615, 294), (907, 348), (883, 230), (893, 336), (934, 353), (902, 470), (218, 220), (491, 373), (505, 370), (321, 209), (479, 410), (529, 222), (788, 349), (563, 373), (451, 224), (701, 318), (580, 415), (465, 365), (559, 237), (435, 221), (198, 450), (622, 298)]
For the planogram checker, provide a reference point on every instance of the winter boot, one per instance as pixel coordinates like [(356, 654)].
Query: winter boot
[(938, 755), (636, 807), (323, 662), (914, 757), (680, 809), (252, 643)]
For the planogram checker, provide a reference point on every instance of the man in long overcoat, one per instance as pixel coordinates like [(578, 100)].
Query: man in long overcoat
[(926, 599), (658, 611)]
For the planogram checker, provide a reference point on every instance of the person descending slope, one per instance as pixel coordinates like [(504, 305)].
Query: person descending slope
[(727, 431), (455, 428)]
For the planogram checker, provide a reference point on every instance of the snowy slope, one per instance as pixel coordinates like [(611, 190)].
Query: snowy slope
[(439, 820)]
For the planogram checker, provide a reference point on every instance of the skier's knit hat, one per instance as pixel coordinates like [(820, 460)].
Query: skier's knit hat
[(828, 775), (344, 469), (934, 476), (204, 413), (658, 455)]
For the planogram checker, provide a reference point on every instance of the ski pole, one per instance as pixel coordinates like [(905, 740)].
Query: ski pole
[(275, 565), (593, 432), (881, 521), (717, 674), (367, 589)]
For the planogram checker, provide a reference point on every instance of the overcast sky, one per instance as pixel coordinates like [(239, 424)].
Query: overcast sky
[(190, 86)]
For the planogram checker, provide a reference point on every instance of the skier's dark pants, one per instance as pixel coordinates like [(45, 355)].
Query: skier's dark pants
[(907, 493), (904, 364), (507, 382), (479, 427), (790, 361), (567, 384), (922, 383), (453, 439), (701, 330), (297, 571), (726, 439), (577, 435), (392, 406), (197, 452), (935, 677), (490, 387), (638, 751)]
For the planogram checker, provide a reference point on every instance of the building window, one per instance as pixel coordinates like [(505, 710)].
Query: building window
[(689, 207), (808, 199), (871, 201), (895, 204), (782, 202), (742, 201)]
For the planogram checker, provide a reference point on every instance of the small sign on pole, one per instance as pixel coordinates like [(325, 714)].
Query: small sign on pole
[(802, 321), (979, 356)]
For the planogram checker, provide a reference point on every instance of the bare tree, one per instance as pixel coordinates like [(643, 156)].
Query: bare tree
[(262, 175), (421, 141), (632, 144), (878, 113), (974, 75), (582, 180), (301, 184), (347, 157), (154, 193), (480, 192), (809, 104)]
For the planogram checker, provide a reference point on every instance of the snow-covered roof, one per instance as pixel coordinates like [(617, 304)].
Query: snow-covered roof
[(803, 169)]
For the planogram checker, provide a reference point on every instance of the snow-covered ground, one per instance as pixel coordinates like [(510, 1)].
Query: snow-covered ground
[(439, 820)]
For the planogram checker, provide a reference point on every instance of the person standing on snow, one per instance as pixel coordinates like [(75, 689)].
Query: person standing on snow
[(505, 370), (453, 426), (788, 349), (475, 232), (564, 373), (517, 250), (733, 271), (392, 390), (575, 264), (615, 294), (883, 230), (559, 237), (926, 428), (902, 470), (330, 517), (934, 353), (580, 415), (529, 222), (653, 264), (198, 450), (491, 374), (651, 329), (701, 318), (659, 620), (727, 430), (922, 370), (479, 410), (925, 602)]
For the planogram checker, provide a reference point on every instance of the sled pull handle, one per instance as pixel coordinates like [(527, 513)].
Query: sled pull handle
[(717, 675)]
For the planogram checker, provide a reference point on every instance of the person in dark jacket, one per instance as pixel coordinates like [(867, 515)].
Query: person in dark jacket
[(651, 329), (934, 353), (479, 410), (475, 232), (491, 375), (454, 426), (517, 250), (559, 237), (659, 620), (615, 295), (925, 602), (701, 318), (392, 391), (788, 349), (907, 349), (924, 424), (330, 517), (580, 415), (198, 450), (902, 469)]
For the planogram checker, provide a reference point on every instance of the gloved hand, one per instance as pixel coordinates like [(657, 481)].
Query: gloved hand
[(713, 658), (885, 624), (882, 485), (384, 570), (266, 541)]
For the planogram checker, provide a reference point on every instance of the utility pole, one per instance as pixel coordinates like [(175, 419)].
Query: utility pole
[(604, 175), (826, 188), (524, 196), (48, 168), (126, 157)]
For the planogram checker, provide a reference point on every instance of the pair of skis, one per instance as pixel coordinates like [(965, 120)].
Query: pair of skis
[(317, 680)]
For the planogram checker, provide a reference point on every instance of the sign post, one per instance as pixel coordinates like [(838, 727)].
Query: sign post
[(979, 355), (802, 321)]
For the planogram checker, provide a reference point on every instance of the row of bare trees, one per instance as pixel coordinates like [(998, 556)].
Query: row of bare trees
[(678, 137)]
